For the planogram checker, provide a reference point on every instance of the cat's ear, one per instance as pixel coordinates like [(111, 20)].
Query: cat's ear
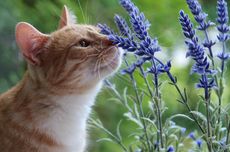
[(67, 18), (30, 41)]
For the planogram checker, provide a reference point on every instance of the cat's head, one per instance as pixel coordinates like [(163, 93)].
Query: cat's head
[(75, 56)]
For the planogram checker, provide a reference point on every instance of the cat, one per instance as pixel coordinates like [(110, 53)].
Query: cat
[(48, 109)]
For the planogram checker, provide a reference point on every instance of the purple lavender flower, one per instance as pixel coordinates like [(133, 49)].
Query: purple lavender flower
[(129, 70), (124, 43), (199, 143), (128, 5), (183, 130), (164, 68), (139, 23), (187, 26), (199, 15), (154, 70), (149, 46), (137, 40), (223, 28), (105, 29), (170, 149), (192, 136), (123, 26), (141, 61), (223, 56), (196, 52), (200, 18)]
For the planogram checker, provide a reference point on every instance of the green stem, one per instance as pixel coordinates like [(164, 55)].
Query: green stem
[(159, 122), (116, 139), (220, 94), (209, 133), (146, 82), (227, 138), (140, 107), (158, 112), (221, 87), (158, 106), (141, 112), (219, 91), (184, 99), (210, 49)]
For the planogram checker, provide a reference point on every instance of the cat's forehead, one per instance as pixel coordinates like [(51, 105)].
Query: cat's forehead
[(81, 29), (77, 31), (73, 33)]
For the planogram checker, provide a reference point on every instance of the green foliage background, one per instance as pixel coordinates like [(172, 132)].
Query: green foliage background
[(44, 15)]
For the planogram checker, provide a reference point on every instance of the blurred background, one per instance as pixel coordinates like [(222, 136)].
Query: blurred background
[(163, 15)]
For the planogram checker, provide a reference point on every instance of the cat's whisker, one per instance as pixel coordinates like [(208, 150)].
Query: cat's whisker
[(109, 66), (92, 55), (100, 54), (118, 75), (95, 66), (99, 68), (98, 50)]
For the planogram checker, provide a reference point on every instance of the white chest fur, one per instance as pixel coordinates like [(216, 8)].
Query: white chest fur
[(67, 123)]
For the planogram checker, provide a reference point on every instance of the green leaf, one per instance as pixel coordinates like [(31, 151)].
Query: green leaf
[(105, 139), (114, 100), (118, 130), (199, 115), (136, 111), (126, 101), (133, 119), (180, 116), (125, 95), (174, 137), (151, 106), (151, 122)]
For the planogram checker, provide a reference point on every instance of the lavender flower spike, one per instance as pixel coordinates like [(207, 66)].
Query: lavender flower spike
[(137, 41), (105, 29), (123, 26), (223, 28), (199, 15), (187, 26), (200, 18), (128, 5), (139, 23), (196, 52)]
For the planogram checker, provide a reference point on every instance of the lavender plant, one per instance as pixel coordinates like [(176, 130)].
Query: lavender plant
[(153, 133), (211, 78)]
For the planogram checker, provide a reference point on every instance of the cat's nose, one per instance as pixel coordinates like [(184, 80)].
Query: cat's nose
[(108, 42)]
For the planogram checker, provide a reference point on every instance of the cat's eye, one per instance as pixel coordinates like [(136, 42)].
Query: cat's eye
[(84, 43)]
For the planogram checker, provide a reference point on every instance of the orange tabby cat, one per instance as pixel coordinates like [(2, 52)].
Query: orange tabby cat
[(47, 111)]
